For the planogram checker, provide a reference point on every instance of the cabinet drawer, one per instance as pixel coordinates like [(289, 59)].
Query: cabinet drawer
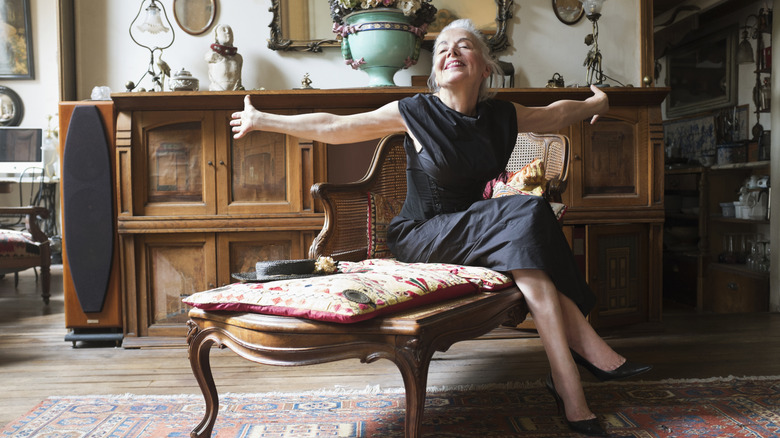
[(737, 292)]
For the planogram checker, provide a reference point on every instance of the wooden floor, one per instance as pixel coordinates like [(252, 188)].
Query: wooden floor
[(36, 362)]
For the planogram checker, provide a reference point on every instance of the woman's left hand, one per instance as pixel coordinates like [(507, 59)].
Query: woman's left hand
[(246, 120), (600, 102)]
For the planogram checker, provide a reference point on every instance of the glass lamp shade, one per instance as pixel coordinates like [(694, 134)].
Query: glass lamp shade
[(745, 51), (153, 21), (592, 7)]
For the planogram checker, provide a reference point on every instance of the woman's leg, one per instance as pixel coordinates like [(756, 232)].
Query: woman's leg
[(583, 339), (545, 306)]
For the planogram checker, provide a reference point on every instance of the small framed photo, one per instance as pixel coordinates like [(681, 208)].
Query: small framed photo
[(16, 54)]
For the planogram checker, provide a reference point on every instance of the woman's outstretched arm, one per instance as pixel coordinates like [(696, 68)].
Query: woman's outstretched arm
[(324, 127), (562, 113)]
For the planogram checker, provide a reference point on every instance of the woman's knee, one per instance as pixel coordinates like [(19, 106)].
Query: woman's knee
[(534, 283)]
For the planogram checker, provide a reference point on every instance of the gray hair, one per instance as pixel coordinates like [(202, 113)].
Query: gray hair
[(482, 47)]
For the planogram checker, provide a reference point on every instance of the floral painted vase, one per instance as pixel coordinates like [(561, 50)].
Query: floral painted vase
[(380, 41)]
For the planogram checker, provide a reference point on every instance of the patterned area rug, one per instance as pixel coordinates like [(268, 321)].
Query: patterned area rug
[(731, 407)]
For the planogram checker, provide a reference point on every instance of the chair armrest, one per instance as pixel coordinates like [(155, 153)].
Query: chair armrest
[(554, 190), (31, 215)]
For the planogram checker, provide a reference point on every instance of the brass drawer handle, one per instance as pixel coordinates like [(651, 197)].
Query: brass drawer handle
[(733, 286)]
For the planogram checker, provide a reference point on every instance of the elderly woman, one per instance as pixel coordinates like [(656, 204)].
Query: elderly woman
[(457, 139)]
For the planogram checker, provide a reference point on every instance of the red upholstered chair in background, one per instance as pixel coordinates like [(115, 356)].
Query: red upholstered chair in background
[(28, 248)]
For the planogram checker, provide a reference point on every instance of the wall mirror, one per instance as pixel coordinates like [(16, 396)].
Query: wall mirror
[(306, 24), (11, 108), (568, 11), (701, 74), (195, 16)]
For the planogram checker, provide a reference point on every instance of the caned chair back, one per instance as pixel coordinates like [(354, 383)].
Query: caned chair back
[(344, 234), (553, 149)]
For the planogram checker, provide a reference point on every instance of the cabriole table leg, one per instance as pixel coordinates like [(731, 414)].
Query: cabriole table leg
[(199, 346)]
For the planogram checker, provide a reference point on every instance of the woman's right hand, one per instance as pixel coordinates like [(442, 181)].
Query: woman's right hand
[(246, 120)]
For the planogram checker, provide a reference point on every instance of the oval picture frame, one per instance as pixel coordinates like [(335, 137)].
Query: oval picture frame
[(568, 11), (195, 16), (11, 108)]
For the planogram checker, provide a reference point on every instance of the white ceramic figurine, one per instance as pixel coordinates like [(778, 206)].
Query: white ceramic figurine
[(224, 61)]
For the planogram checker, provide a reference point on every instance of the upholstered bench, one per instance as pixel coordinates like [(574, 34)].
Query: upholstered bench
[(436, 311)]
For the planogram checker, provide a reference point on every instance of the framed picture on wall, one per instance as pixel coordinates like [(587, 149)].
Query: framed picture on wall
[(689, 138), (702, 74), (16, 54)]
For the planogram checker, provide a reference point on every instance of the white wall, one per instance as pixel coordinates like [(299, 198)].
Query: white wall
[(541, 46)]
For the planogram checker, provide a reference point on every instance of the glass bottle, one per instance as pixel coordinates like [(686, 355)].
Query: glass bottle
[(727, 255), (766, 95)]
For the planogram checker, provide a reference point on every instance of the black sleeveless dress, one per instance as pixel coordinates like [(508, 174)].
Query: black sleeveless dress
[(444, 218)]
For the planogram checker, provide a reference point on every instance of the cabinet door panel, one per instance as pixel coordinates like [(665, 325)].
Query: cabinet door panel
[(259, 168), (175, 266), (610, 166), (618, 273), (239, 252), (174, 173), (258, 172), (177, 154)]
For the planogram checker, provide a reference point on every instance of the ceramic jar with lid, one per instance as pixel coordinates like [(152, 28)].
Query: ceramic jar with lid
[(183, 80)]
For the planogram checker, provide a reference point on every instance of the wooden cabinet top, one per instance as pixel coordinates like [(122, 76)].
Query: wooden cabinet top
[(360, 98)]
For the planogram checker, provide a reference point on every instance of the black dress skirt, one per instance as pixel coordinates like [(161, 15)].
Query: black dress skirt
[(444, 218)]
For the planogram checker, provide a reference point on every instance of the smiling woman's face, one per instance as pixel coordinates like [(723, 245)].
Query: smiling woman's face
[(457, 59)]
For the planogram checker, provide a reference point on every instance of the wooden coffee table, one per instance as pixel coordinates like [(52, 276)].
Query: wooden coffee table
[(408, 338)]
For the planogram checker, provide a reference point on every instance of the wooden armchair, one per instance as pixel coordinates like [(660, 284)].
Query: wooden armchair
[(30, 248), (343, 235), (407, 338)]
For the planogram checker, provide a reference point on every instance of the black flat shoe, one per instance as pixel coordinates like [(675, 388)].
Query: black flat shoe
[(590, 427), (628, 369)]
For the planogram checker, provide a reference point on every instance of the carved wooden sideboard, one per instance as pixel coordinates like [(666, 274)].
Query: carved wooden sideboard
[(194, 205)]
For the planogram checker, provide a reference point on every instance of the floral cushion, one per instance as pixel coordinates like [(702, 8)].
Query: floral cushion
[(360, 291), (530, 176), (381, 210), (527, 181), (17, 244)]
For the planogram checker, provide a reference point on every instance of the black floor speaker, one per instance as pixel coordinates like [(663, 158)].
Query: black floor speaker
[(88, 216)]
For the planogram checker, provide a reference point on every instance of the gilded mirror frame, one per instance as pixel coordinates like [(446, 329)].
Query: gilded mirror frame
[(188, 27), (277, 41)]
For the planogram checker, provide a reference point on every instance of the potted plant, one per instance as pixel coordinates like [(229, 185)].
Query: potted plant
[(381, 37)]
